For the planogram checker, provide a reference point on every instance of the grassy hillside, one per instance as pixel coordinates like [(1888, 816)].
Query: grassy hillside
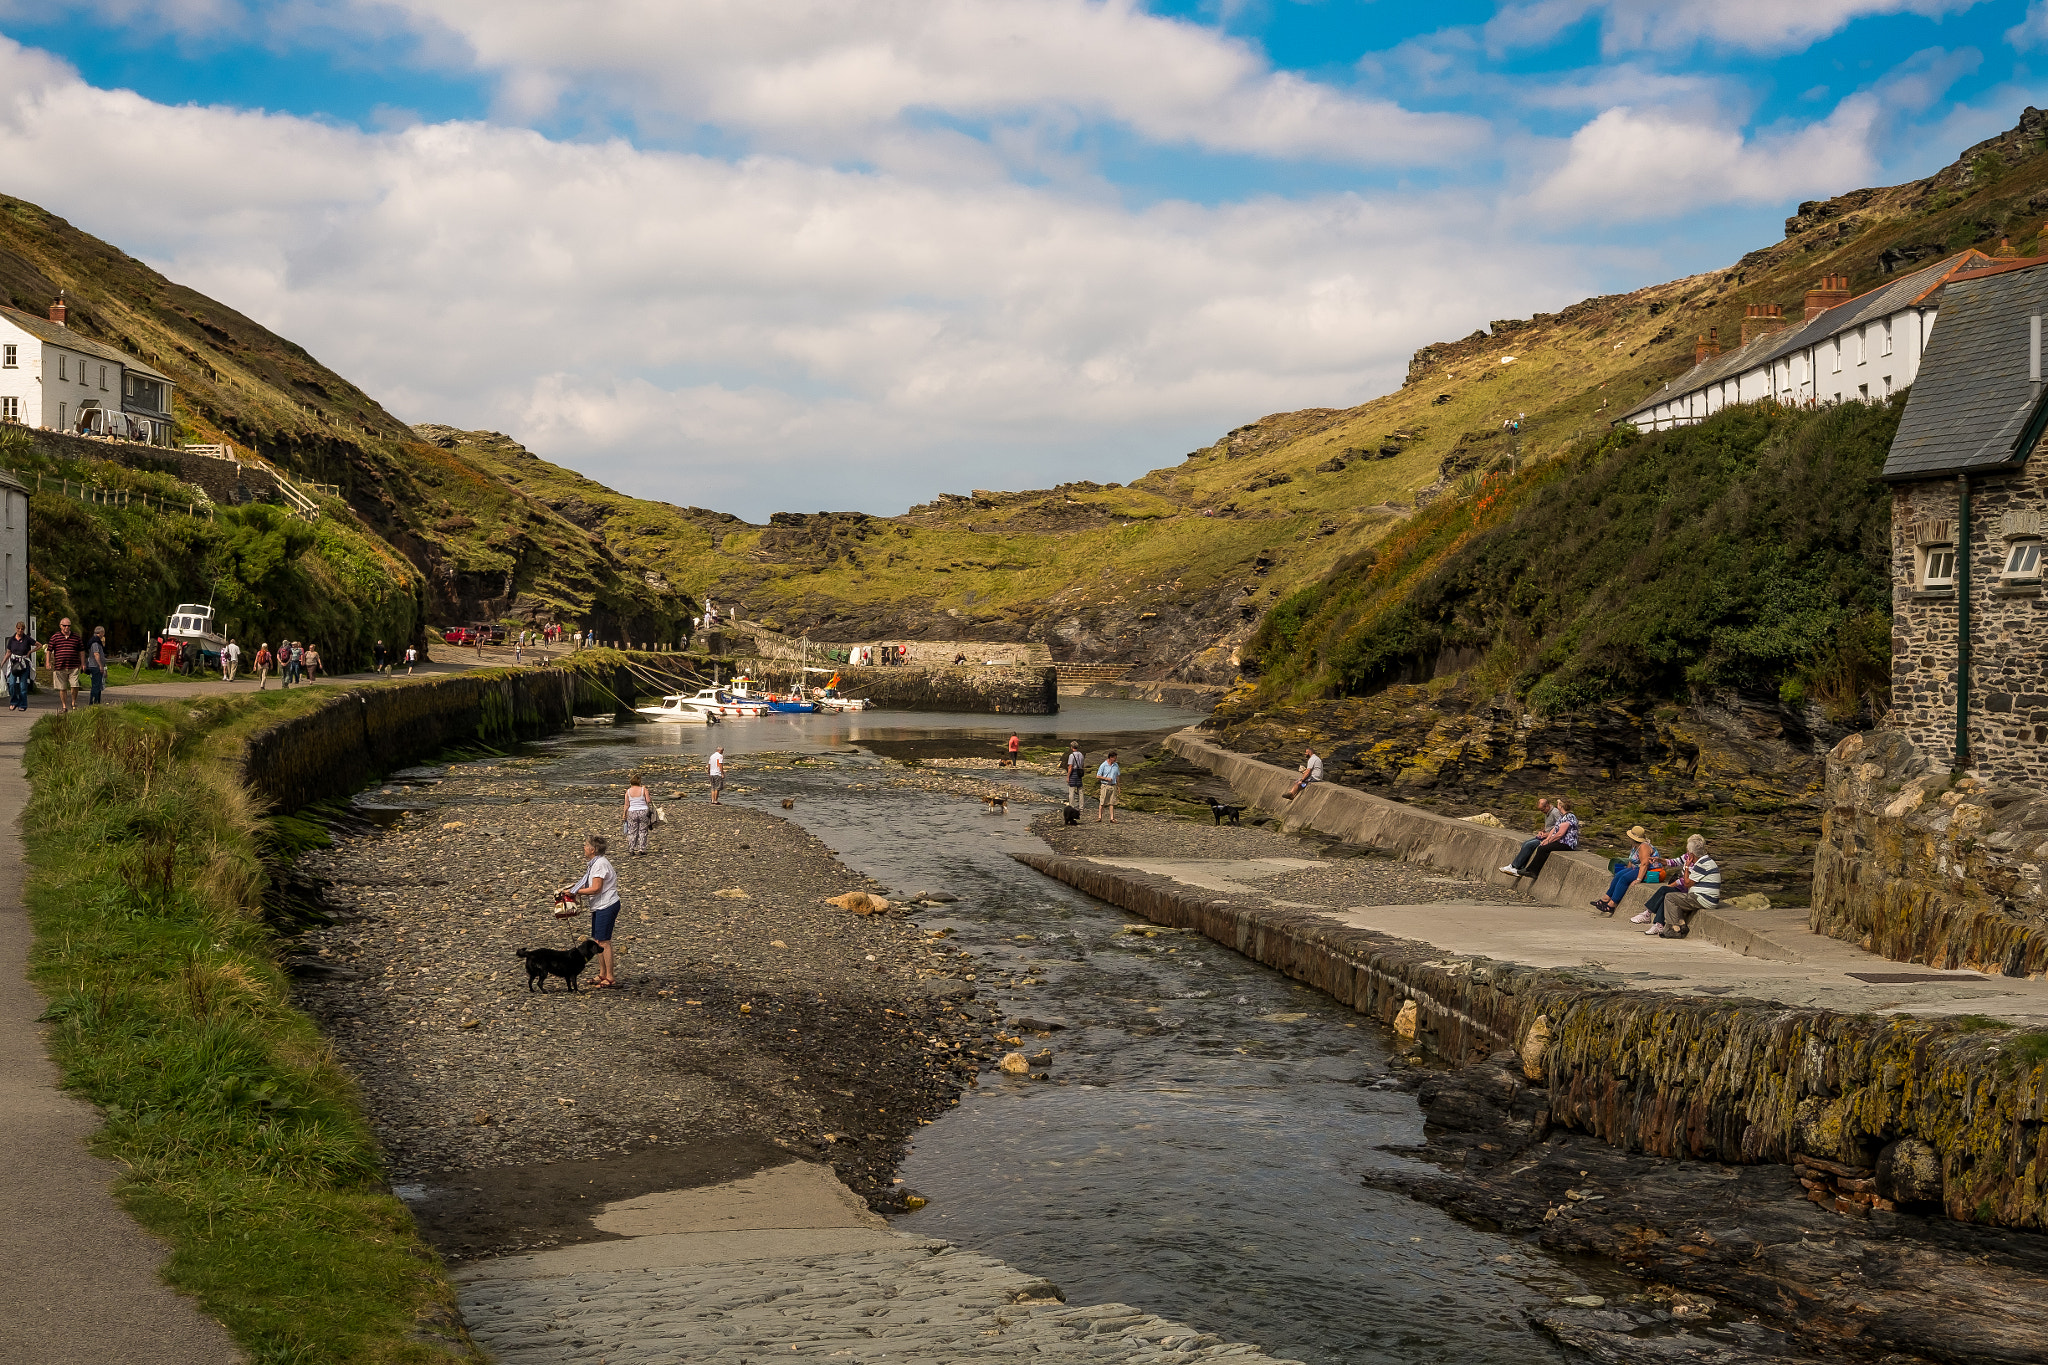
[(1170, 574), (1750, 552), (480, 547)]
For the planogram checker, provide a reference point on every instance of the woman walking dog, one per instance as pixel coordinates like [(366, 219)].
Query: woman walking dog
[(601, 884)]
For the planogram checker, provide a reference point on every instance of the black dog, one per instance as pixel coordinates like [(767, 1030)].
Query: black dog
[(1223, 812), (542, 963), (1070, 815)]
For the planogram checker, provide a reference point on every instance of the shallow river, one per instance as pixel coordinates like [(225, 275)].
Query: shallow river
[(1200, 1156)]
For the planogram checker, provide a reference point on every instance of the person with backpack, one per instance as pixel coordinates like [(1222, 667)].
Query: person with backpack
[(1077, 764), (20, 665), (263, 663)]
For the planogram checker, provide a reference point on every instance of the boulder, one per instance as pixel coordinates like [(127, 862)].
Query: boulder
[(1909, 1172), (1534, 1044), (1486, 818), (1014, 1064), (1754, 901), (860, 902)]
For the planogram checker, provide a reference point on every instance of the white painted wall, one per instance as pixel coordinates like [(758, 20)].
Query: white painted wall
[(13, 557), (47, 377)]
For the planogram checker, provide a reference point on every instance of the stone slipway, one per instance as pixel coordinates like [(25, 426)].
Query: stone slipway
[(788, 1264)]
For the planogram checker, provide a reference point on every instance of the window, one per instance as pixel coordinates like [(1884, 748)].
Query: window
[(10, 357), (1863, 392), (10, 409), (62, 361), (1838, 355), (1937, 566), (2023, 560), (103, 376), (60, 417), (1862, 346), (1887, 350), (1887, 386), (10, 569)]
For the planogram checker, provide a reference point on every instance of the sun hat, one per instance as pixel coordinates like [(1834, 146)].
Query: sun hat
[(1637, 834)]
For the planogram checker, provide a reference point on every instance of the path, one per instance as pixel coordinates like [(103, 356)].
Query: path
[(787, 1264), (82, 1286)]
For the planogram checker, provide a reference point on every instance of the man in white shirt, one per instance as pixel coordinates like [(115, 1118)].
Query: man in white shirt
[(230, 659), (1311, 771), (601, 884), (715, 766)]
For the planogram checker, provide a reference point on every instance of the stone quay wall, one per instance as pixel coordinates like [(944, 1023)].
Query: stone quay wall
[(1738, 1081), (229, 483), (364, 732), (1918, 865)]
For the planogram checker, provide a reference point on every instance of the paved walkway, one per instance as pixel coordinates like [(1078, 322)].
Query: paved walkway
[(1763, 954), (82, 1284), (788, 1264)]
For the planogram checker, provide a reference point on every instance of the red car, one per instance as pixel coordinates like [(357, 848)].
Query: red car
[(456, 635)]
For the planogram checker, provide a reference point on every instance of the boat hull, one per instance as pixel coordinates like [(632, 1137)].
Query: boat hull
[(792, 707)]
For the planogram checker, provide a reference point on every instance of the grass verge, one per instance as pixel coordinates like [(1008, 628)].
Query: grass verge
[(244, 1144)]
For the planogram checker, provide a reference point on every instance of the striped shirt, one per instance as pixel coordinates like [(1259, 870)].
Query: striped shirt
[(1703, 879)]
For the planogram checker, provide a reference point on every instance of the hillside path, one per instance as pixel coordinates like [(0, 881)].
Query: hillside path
[(83, 1284)]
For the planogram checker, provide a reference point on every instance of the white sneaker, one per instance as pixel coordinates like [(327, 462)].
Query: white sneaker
[(1643, 918), (1655, 931), (1511, 870)]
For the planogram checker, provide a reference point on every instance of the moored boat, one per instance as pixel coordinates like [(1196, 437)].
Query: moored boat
[(718, 702), (675, 710)]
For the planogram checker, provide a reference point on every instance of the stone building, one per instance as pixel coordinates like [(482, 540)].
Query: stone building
[(13, 552), (1969, 518)]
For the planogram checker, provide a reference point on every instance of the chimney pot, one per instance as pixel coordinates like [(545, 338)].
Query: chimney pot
[(57, 310)]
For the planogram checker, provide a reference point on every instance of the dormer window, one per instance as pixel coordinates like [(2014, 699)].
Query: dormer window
[(1937, 567), (2023, 559)]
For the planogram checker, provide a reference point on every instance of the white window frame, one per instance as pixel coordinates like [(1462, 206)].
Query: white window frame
[(1887, 338), (1930, 557), (1862, 345), (1838, 355), (63, 422), (10, 357), (103, 378), (2023, 560), (63, 366), (10, 409)]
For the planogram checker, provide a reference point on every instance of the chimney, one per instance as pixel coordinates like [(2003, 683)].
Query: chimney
[(1707, 346), (1834, 289), (1761, 319), (57, 309)]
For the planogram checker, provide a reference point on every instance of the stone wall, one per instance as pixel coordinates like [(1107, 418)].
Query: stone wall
[(1920, 866), (229, 483), (2008, 722), (1739, 1081), (363, 733)]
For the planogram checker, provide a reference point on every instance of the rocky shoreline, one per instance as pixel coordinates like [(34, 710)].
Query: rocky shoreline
[(753, 1022)]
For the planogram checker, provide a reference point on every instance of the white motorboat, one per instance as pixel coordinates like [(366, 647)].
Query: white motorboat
[(716, 701), (676, 710)]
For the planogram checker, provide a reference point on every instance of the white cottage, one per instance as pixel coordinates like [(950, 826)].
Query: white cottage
[(1845, 349), (51, 377), (13, 552)]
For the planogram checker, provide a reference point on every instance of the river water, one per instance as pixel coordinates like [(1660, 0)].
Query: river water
[(1200, 1153)]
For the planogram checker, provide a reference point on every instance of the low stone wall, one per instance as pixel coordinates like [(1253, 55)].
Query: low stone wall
[(363, 733), (1739, 1081), (1439, 840), (1920, 866), (229, 483)]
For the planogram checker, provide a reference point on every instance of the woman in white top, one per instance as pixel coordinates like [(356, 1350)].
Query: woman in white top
[(601, 884), (638, 815)]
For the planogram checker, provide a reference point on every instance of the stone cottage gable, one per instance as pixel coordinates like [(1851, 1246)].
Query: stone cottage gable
[(1971, 437)]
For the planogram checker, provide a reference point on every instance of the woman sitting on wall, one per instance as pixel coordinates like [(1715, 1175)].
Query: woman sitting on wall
[(1641, 856), (1564, 834)]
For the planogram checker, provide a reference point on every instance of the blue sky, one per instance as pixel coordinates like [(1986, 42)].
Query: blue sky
[(720, 252)]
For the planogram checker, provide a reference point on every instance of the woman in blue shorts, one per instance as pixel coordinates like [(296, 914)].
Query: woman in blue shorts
[(601, 884)]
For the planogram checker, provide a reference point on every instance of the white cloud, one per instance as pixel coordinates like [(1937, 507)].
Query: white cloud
[(1634, 165), (1667, 25), (764, 332), (2031, 32)]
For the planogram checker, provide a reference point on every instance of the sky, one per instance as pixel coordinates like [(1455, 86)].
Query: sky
[(799, 255)]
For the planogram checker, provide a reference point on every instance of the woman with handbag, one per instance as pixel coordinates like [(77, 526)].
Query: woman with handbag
[(21, 666)]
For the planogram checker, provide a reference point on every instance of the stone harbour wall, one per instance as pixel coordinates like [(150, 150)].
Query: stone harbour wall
[(363, 732), (1940, 1117), (1918, 865)]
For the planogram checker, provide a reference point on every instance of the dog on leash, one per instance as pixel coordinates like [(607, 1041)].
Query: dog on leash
[(567, 963), (1223, 812), (997, 805), (1070, 815)]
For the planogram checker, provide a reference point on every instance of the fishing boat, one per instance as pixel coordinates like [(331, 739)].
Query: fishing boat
[(827, 698), (676, 710), (191, 621), (715, 701), (782, 706)]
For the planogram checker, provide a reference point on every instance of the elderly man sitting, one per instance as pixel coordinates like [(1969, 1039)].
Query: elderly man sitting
[(1670, 911), (1311, 771)]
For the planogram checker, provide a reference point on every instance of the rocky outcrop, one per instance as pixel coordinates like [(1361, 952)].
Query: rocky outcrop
[(1921, 866)]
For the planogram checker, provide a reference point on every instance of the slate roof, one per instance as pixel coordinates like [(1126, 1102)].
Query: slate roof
[(1882, 301), (59, 335), (1973, 407)]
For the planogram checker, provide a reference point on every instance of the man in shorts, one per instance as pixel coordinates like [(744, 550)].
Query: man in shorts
[(601, 884), (715, 766), (66, 652), (1106, 777)]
